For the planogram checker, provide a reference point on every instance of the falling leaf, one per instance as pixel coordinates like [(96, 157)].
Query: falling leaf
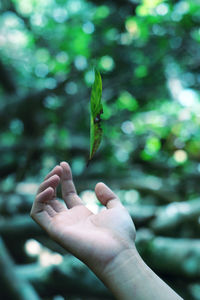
[(96, 109)]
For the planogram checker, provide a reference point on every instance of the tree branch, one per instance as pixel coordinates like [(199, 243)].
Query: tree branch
[(13, 284)]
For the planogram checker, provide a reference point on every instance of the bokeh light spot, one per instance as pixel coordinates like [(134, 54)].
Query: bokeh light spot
[(71, 88), (60, 15), (62, 57), (162, 9), (132, 27), (41, 70), (88, 27), (107, 63), (89, 77), (180, 156), (16, 126), (127, 101), (127, 127), (32, 247), (80, 62)]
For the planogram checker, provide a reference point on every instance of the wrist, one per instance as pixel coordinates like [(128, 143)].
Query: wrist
[(122, 268), (128, 277)]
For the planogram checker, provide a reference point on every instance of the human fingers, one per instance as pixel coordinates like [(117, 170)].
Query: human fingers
[(40, 212), (106, 196), (68, 188), (57, 170), (45, 195), (52, 181)]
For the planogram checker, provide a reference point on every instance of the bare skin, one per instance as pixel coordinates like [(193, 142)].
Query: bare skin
[(93, 238), (104, 241)]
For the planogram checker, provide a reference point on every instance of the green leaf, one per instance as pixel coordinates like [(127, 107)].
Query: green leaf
[(96, 110)]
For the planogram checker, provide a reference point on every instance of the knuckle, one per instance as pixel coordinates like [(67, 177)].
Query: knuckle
[(37, 198)]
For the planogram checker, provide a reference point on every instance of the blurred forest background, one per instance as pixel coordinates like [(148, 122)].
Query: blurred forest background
[(148, 53)]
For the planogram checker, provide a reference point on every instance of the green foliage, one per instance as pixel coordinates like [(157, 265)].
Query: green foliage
[(96, 109), (147, 55), (127, 101)]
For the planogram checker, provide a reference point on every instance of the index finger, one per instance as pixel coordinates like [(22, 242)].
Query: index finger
[(68, 188), (56, 171)]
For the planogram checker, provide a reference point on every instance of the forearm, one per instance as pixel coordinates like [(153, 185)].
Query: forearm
[(129, 278)]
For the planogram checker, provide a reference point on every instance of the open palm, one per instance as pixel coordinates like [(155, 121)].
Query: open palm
[(93, 238)]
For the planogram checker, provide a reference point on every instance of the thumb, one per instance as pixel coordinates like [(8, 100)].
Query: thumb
[(106, 196)]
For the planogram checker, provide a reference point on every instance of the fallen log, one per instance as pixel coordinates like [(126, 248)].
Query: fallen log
[(171, 256), (70, 277), (12, 284), (170, 217), (22, 226)]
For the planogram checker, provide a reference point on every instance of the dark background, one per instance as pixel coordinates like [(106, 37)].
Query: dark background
[(149, 57)]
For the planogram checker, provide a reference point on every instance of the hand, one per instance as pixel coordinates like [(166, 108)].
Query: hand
[(104, 241), (96, 239)]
